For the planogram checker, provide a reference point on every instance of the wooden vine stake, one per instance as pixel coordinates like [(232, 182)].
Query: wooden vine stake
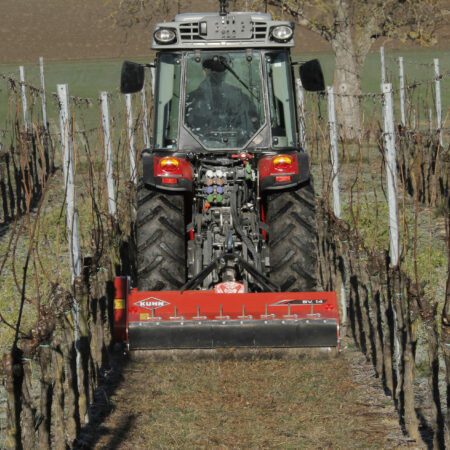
[(71, 209)]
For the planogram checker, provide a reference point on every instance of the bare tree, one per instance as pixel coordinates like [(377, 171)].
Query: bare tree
[(351, 27)]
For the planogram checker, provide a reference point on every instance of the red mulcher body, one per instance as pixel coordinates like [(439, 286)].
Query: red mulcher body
[(226, 230), (209, 319)]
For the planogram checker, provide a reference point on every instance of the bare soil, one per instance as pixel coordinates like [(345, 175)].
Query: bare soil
[(84, 29)]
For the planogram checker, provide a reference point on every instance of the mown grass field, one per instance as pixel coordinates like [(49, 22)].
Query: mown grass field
[(307, 403)]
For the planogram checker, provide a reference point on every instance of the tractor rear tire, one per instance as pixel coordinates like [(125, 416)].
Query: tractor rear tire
[(293, 239), (161, 242)]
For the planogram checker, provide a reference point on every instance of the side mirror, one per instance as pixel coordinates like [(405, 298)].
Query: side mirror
[(311, 76), (132, 77)]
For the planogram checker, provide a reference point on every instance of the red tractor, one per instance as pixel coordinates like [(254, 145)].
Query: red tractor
[(226, 229)]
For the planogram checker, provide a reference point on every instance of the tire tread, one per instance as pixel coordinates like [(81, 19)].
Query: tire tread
[(293, 239), (161, 245)]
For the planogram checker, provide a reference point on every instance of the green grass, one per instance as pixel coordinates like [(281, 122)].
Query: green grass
[(86, 79)]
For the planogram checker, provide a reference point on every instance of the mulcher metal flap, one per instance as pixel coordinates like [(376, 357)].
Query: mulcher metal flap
[(235, 333)]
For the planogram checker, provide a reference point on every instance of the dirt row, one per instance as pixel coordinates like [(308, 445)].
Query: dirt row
[(85, 29)]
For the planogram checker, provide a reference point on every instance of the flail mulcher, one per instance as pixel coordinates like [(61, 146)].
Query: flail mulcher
[(226, 230)]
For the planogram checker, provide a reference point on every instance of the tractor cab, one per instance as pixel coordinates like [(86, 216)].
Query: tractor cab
[(224, 82)]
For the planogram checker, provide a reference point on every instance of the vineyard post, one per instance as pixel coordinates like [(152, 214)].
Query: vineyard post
[(145, 119), (108, 155), (437, 82), (24, 98), (43, 97), (71, 207), (335, 173), (334, 152), (130, 130), (383, 66), (402, 90), (69, 180), (391, 171), (390, 161), (301, 112)]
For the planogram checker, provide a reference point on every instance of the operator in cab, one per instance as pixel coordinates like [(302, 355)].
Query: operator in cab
[(217, 106)]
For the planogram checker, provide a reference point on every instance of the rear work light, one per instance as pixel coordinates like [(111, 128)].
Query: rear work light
[(165, 36), (169, 164), (282, 33), (282, 163)]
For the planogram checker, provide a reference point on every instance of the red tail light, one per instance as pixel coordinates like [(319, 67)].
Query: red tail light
[(169, 164), (282, 163)]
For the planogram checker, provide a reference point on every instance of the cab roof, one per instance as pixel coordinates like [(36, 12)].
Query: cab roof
[(215, 30)]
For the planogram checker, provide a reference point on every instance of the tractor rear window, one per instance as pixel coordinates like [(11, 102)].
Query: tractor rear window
[(224, 101), (281, 101), (167, 101)]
